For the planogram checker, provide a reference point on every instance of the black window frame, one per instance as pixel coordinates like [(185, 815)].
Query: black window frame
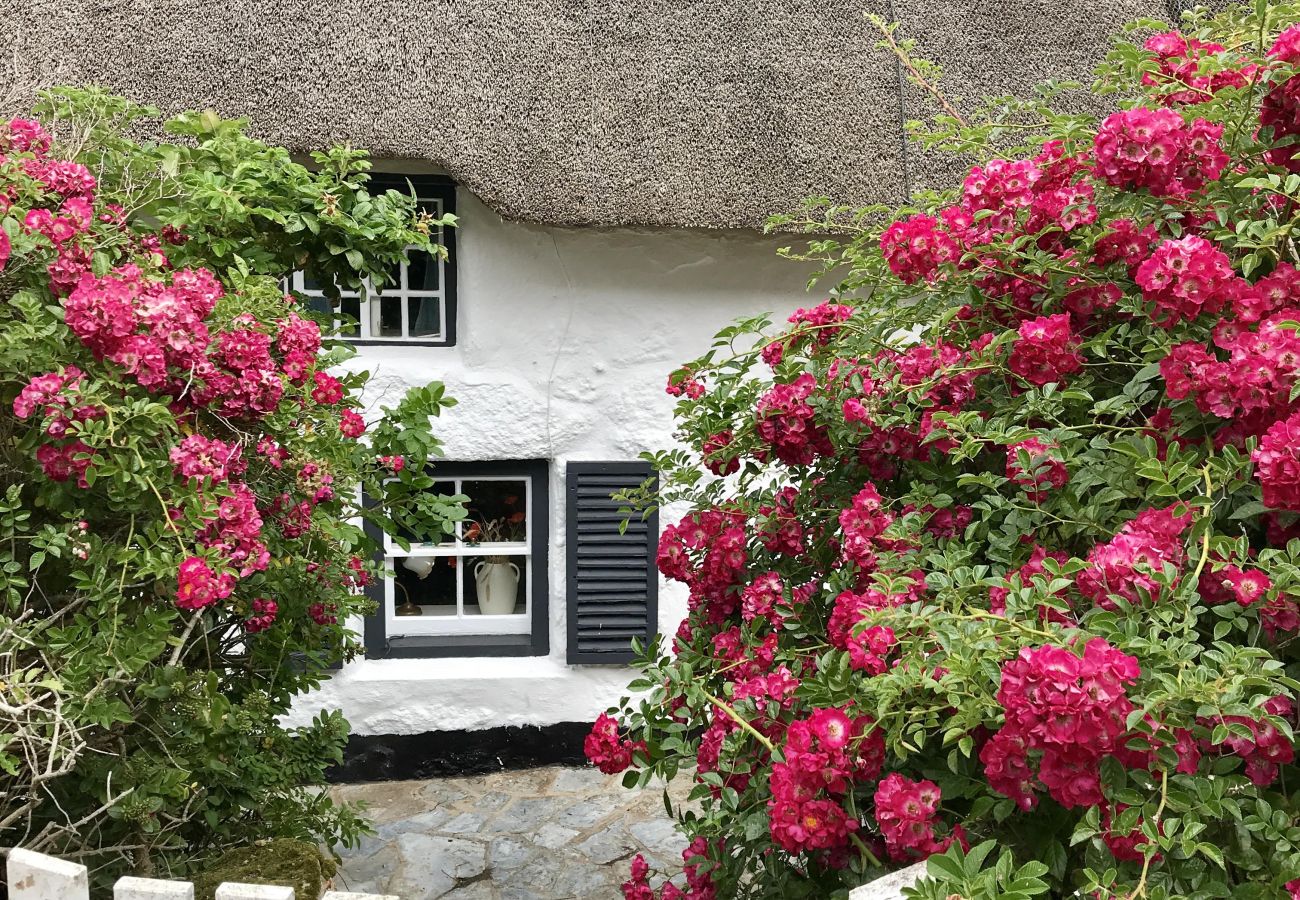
[(444, 189), (380, 645)]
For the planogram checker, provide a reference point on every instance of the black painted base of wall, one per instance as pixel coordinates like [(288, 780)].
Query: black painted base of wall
[(438, 754)]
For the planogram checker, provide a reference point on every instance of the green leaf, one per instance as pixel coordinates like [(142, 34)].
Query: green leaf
[(944, 866)]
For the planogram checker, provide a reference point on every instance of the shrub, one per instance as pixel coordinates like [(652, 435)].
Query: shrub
[(180, 543), (998, 545)]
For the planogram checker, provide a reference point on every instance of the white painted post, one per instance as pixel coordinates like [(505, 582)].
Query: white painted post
[(35, 876), (132, 888), (889, 887), (233, 890)]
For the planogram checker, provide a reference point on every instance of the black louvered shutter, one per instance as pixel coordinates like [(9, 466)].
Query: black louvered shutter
[(613, 584)]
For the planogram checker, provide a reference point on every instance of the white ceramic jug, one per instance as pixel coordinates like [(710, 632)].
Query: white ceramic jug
[(498, 587)]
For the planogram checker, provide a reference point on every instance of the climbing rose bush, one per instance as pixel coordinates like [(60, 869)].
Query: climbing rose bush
[(181, 538), (992, 557)]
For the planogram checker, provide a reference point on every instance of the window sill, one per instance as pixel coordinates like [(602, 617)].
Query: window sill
[(395, 342), (467, 646)]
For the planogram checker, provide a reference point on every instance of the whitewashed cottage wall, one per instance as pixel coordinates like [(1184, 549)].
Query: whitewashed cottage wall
[(565, 339)]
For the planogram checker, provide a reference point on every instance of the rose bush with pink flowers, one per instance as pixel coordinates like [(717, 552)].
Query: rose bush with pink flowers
[(180, 526), (993, 558)]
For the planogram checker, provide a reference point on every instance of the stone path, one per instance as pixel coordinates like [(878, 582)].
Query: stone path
[(539, 834)]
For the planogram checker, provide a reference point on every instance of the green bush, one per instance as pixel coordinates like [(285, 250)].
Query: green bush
[(180, 537), (999, 545)]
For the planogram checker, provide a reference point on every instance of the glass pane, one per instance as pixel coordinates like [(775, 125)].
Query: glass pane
[(424, 315), (384, 181), (422, 273), (495, 585), (393, 281), (432, 207), (427, 583), (390, 317), (351, 309), (498, 511), (319, 305)]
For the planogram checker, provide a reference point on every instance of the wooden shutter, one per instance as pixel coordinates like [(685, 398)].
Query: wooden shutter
[(613, 589)]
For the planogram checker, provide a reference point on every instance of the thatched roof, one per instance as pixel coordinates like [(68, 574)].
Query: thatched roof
[(649, 112)]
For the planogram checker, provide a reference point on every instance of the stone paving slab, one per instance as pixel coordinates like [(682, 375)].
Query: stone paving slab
[(553, 833)]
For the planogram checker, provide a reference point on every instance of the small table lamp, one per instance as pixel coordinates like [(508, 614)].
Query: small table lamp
[(421, 566)]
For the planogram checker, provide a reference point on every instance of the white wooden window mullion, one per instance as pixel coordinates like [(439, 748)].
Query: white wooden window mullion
[(369, 325), (460, 566), (460, 622)]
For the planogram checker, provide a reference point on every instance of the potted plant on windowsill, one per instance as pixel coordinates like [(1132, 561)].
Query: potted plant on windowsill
[(496, 577)]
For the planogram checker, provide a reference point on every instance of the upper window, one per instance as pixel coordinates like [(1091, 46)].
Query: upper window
[(481, 590), (418, 305)]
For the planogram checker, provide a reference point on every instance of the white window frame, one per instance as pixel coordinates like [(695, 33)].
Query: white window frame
[(465, 622), (370, 301)]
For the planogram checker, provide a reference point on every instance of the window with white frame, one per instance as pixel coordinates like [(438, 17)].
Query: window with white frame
[(418, 305), (482, 590)]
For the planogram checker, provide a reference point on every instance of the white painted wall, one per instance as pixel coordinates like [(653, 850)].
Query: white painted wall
[(565, 340)]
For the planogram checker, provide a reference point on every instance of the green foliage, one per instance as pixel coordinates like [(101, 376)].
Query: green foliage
[(969, 875), (1186, 818), (248, 208), (137, 736)]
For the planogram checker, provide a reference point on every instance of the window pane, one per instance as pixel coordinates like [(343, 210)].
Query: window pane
[(495, 585), (425, 316), (390, 316), (351, 309), (393, 281), (428, 582), (422, 273), (319, 305), (498, 511)]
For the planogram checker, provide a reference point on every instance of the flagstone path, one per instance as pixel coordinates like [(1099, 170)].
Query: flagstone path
[(552, 833)]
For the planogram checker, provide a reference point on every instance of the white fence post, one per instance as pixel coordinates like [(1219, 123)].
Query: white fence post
[(889, 887), (132, 888), (233, 890), (35, 876)]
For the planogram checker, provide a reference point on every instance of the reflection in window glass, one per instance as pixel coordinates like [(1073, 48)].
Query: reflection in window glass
[(390, 316), (422, 273), (424, 315), (351, 308)]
